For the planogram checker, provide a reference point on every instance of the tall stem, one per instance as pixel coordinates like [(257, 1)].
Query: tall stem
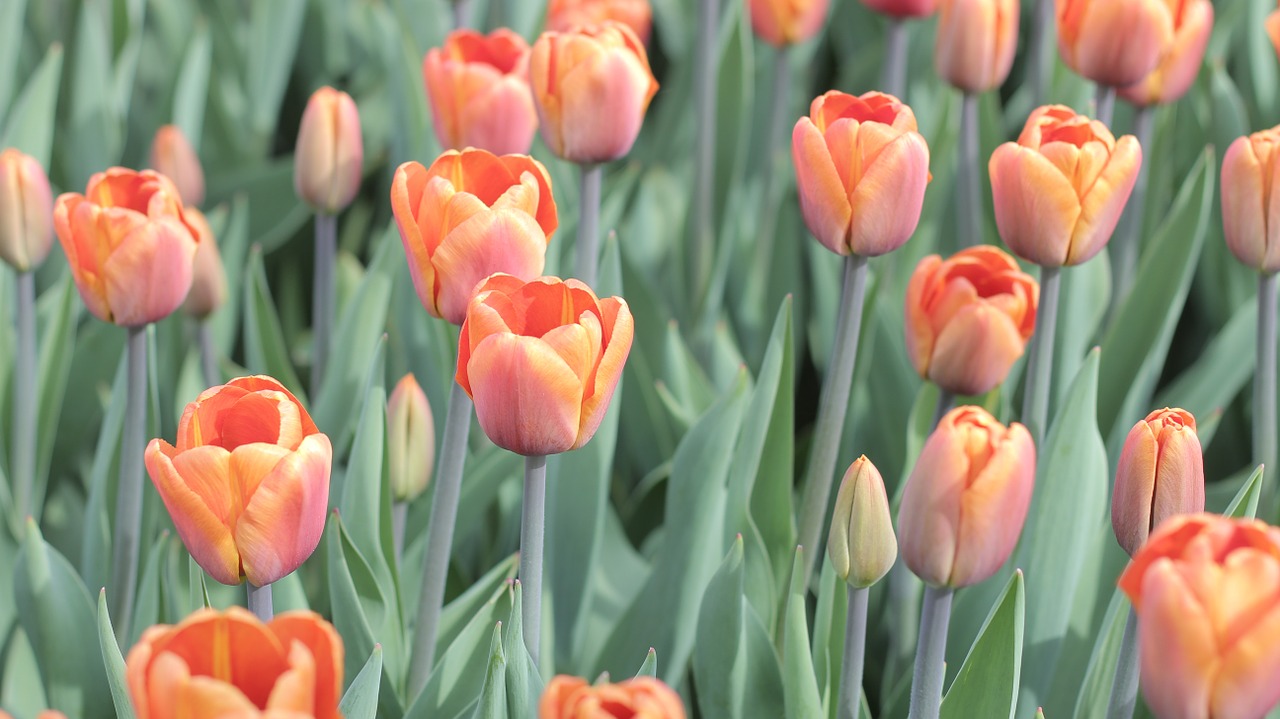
[(1042, 48), (461, 11), (775, 151), (969, 182), (1035, 401), (399, 515), (1264, 383), (24, 398), (926, 684), (587, 252), (322, 296), (259, 600), (1105, 99), (832, 407), (532, 531), (945, 400), (1124, 689), (444, 514), (208, 356), (893, 75), (855, 640), (702, 248), (128, 517), (1127, 244)]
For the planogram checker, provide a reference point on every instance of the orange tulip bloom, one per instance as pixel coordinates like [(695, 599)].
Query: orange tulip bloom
[(247, 485), (208, 278), (411, 440), (861, 545), (230, 664), (478, 86), (26, 211), (976, 41), (969, 318), (567, 15), (592, 88), (1160, 475), (1059, 190), (861, 167), (786, 22), (1273, 29), (1207, 592), (903, 8), (129, 245), (967, 498), (329, 157), (1180, 60), (1114, 42), (1251, 199), (174, 157), (469, 215), (541, 360), (569, 697)]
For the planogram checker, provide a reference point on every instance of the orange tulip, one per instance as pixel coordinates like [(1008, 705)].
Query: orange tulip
[(976, 41), (1113, 42), (208, 278), (861, 167), (592, 88), (569, 697), (967, 498), (330, 153), (1251, 199), (129, 245), (1059, 190), (247, 485), (174, 157), (469, 215), (969, 318), (541, 360), (567, 15), (1273, 29), (903, 8), (1179, 60), (1160, 475), (478, 86), (411, 440), (1207, 592), (230, 664), (861, 544), (786, 22), (26, 211)]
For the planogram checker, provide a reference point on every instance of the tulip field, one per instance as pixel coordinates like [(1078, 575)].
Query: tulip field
[(639, 359)]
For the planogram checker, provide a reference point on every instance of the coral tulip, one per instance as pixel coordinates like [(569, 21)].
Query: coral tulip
[(567, 15), (230, 664), (903, 8), (129, 245), (247, 485), (975, 43), (1180, 60), (1059, 190), (1207, 592), (1251, 199), (541, 360), (478, 86), (968, 318), (966, 500), (569, 697), (592, 88), (330, 153), (208, 277), (411, 440), (1160, 474), (786, 22), (1273, 29), (861, 545), (469, 215), (174, 157), (26, 211), (1114, 42), (861, 167)]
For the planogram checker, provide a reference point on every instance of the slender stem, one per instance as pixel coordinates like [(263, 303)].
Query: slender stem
[(775, 152), (945, 400), (532, 523), (969, 182), (259, 600), (128, 517), (1128, 240), (1124, 689), (399, 514), (702, 248), (208, 356), (1035, 401), (587, 254), (1264, 383), (322, 296), (893, 76), (444, 514), (832, 407), (24, 398), (1043, 47), (855, 640), (1105, 99), (461, 11), (926, 684)]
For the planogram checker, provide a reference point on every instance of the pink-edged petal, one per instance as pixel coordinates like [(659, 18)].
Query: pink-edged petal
[(1177, 649), (824, 201), (620, 330), (929, 515), (284, 520), (1036, 206), (1134, 488), (527, 399), (507, 241), (604, 102), (887, 200), (1102, 204), (149, 274), (198, 505), (994, 508), (975, 350)]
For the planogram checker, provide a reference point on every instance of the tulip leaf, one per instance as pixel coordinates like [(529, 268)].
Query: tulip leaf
[(94, 135), (31, 119), (649, 667), (493, 697), (484, 591), (1095, 690), (1245, 504), (987, 683), (829, 618), (274, 30), (21, 688), (11, 34), (61, 307), (361, 698), (113, 661), (275, 211), (148, 601), (361, 494), (523, 682), (266, 351), (799, 685), (718, 665), (459, 672), (192, 91), (1086, 296), (95, 550)]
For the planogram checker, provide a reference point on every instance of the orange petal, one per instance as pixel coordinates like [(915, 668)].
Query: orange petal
[(1177, 650), (527, 399), (324, 646), (975, 350), (284, 519), (1035, 205), (149, 275), (887, 200), (620, 330), (197, 504), (994, 509), (824, 200), (1134, 487), (507, 241), (1102, 204)]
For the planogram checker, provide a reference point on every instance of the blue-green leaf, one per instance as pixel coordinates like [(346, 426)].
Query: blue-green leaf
[(113, 661), (987, 683)]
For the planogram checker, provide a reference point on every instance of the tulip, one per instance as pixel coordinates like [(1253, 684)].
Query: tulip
[(411, 440), (643, 697), (173, 157), (46, 714), (975, 43), (966, 500), (1179, 60), (591, 88), (861, 545), (568, 15), (968, 318), (479, 91), (1160, 475), (208, 278), (230, 664), (903, 8), (786, 22), (1207, 593), (541, 360), (129, 245), (1059, 190), (1114, 42), (247, 485), (26, 211), (330, 154), (1272, 24), (1250, 199), (469, 215), (862, 169)]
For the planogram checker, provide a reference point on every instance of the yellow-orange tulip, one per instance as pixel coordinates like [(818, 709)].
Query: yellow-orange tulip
[(566, 15), (541, 360), (230, 664), (862, 168), (1251, 199), (478, 86), (975, 43), (1114, 42), (129, 245), (861, 544), (1059, 190), (1180, 60), (1207, 592), (569, 697), (903, 8), (208, 277), (247, 485), (785, 22), (469, 215), (174, 157), (26, 211), (411, 440), (1160, 475), (592, 88), (330, 152)]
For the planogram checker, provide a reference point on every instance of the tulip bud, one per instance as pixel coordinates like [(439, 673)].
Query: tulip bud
[(1113, 42), (569, 697), (967, 498), (1180, 60), (479, 91), (173, 157), (330, 153), (1160, 474), (1273, 29), (786, 22), (567, 15), (862, 546), (411, 440), (1248, 195), (903, 8), (976, 41), (26, 211), (208, 278)]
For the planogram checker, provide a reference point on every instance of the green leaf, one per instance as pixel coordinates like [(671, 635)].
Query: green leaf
[(58, 330), (266, 350), (95, 549), (523, 683), (94, 135), (361, 699), (487, 589), (1220, 372), (493, 697), (274, 30), (31, 118), (113, 661), (1245, 504), (193, 86), (1095, 690), (11, 34), (649, 667), (459, 672), (987, 683), (718, 665), (799, 684)]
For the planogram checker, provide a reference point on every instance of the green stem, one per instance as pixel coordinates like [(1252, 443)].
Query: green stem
[(945, 400), (926, 683), (208, 356), (128, 516), (24, 398), (587, 252), (855, 640), (969, 181), (461, 10), (1035, 402), (399, 515), (1124, 689), (322, 297), (532, 532), (1264, 383), (893, 76), (259, 600), (702, 248), (1043, 47), (1105, 100), (1127, 245)]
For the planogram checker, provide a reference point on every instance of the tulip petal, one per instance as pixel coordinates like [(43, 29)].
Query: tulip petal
[(977, 347), (994, 509), (501, 118), (282, 523), (324, 646), (173, 692), (149, 274), (1108, 55), (1180, 489), (233, 647), (619, 328), (1245, 684), (1104, 201), (508, 241), (824, 201), (919, 328), (1177, 652), (527, 399), (1135, 488), (887, 200), (295, 689), (929, 518), (603, 101), (199, 503), (1036, 206)]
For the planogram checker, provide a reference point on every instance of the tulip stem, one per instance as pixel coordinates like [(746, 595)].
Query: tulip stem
[(532, 523), (832, 408), (945, 400), (1128, 242), (1035, 402), (128, 516), (399, 515), (1124, 689), (1043, 49), (926, 683), (208, 356), (322, 296), (702, 248), (893, 76), (259, 600), (460, 13), (444, 514), (587, 255), (1105, 100), (855, 639), (24, 398), (969, 186), (1264, 384)]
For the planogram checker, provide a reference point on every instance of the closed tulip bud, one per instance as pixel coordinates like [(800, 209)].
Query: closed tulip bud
[(173, 157), (966, 500), (129, 244), (968, 318), (26, 211), (861, 167), (1179, 60), (976, 41), (591, 88), (541, 360), (478, 86), (862, 546), (1250, 196), (903, 8), (643, 697), (1113, 42), (1059, 190), (208, 278), (1272, 24), (231, 664), (330, 153), (1160, 475), (469, 215), (786, 22), (247, 485), (566, 15), (1206, 590), (411, 440)]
